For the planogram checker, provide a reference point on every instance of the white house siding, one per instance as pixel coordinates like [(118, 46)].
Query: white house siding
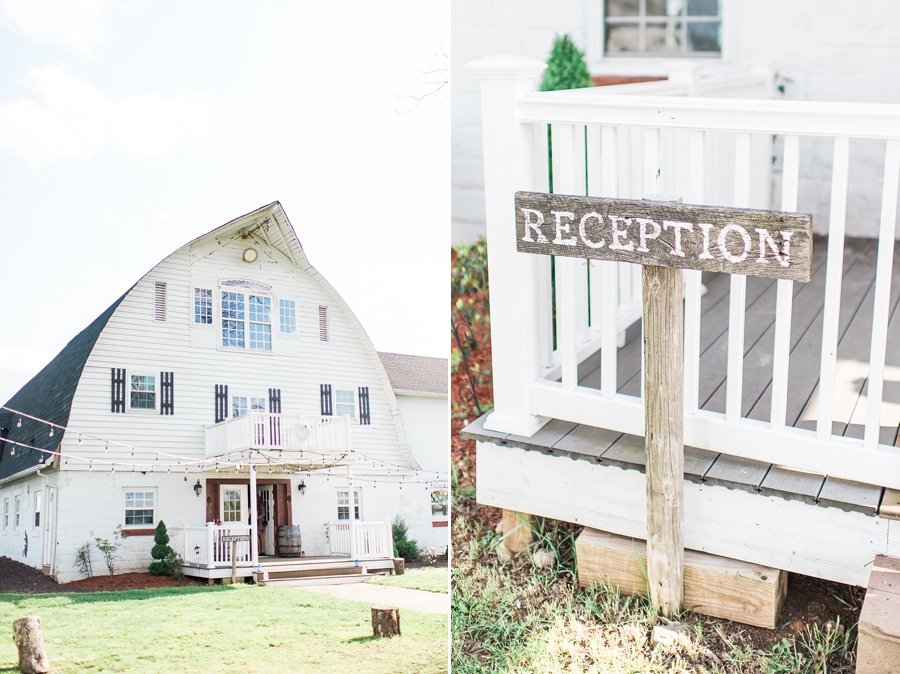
[(830, 50), (426, 420), (12, 538), (91, 495)]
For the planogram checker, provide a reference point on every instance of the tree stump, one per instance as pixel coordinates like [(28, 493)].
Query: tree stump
[(30, 641), (385, 621), (399, 566)]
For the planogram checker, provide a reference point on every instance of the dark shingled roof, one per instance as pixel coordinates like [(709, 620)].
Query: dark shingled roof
[(47, 396), (416, 373)]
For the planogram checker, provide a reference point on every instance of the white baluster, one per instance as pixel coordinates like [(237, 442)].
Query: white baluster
[(785, 292), (693, 279), (738, 296), (881, 312), (568, 270), (833, 275)]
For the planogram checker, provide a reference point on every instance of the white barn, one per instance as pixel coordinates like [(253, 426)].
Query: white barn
[(231, 367)]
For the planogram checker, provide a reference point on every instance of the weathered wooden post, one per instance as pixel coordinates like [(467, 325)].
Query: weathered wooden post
[(664, 237)]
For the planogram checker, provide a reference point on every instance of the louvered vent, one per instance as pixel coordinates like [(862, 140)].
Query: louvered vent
[(323, 324), (159, 302)]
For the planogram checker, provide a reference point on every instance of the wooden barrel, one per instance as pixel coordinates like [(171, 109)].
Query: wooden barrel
[(289, 541)]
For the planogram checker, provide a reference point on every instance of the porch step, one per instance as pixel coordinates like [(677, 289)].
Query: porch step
[(316, 580), (306, 572)]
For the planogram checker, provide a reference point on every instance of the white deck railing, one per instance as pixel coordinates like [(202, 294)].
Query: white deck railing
[(202, 546), (373, 539), (707, 150), (266, 431)]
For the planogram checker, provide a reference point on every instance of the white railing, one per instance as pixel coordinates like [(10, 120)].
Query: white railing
[(371, 539), (631, 146), (203, 547), (266, 431)]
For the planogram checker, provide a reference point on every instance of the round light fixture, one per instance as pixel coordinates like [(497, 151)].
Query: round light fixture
[(250, 255)]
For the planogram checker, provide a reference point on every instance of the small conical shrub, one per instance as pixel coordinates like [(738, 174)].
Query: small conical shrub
[(566, 68), (161, 551), (403, 546)]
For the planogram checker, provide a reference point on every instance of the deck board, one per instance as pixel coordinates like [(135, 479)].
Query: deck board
[(736, 472), (585, 442), (848, 495), (792, 484)]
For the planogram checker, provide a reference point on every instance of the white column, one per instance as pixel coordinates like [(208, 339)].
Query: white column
[(352, 511), (509, 165), (254, 551)]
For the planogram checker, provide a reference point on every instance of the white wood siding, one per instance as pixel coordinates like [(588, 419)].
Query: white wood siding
[(298, 363)]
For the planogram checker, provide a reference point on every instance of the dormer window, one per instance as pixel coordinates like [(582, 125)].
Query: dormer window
[(246, 315)]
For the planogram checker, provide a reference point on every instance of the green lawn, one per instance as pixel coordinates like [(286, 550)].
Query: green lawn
[(220, 629), (430, 578)]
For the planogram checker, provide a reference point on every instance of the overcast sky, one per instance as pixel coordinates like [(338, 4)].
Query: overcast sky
[(128, 129)]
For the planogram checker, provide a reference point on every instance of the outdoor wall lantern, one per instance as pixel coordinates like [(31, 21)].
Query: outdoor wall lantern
[(198, 488), (301, 487)]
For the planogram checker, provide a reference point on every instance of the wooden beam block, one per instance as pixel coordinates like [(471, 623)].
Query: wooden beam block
[(714, 586), (516, 530), (878, 648), (890, 504)]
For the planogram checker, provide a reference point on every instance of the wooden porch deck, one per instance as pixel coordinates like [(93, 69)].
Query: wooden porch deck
[(806, 337), (735, 507)]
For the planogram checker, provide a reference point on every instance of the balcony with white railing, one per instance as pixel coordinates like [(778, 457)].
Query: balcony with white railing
[(782, 373), (266, 431)]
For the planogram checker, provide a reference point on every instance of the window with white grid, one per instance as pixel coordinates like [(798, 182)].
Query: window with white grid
[(18, 512), (343, 504), (231, 505), (663, 27), (246, 318), (143, 392), (287, 314), (5, 514), (203, 306), (345, 402), (140, 507)]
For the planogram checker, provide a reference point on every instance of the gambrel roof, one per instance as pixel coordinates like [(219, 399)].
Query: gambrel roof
[(47, 396)]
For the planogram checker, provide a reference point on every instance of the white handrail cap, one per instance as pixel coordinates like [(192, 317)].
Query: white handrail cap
[(506, 68)]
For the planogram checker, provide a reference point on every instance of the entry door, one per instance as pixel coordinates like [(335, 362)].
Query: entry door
[(266, 505), (49, 515), (234, 507)]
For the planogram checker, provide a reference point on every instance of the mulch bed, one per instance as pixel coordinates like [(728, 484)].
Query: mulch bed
[(18, 577)]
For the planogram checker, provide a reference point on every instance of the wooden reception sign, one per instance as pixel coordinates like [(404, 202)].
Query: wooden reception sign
[(664, 237), (772, 244)]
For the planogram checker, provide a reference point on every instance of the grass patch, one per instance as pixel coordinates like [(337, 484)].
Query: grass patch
[(433, 579), (221, 629), (511, 617)]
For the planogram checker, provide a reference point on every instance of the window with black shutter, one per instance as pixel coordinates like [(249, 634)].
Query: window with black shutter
[(167, 399), (117, 389), (364, 416), (275, 422), (221, 402), (325, 391)]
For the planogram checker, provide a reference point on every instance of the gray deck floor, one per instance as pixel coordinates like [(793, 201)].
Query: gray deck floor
[(857, 299)]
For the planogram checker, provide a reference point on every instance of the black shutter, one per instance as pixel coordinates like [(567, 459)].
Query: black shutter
[(167, 391), (364, 417), (275, 422), (221, 402), (118, 389), (275, 400), (325, 390)]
